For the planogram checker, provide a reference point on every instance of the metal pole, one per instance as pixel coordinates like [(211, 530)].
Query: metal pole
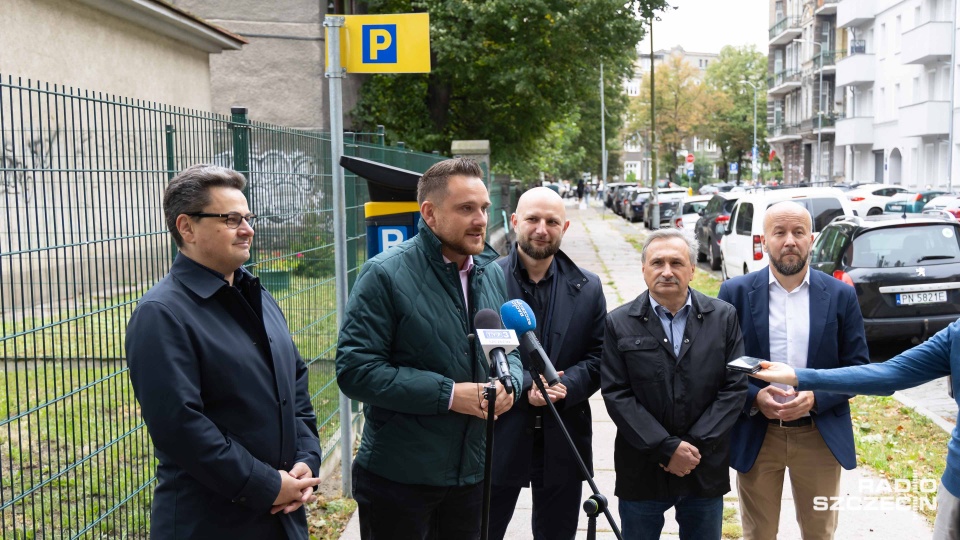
[(755, 149), (819, 112), (603, 133), (335, 75), (654, 199), (953, 93)]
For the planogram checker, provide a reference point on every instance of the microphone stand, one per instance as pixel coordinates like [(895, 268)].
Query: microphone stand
[(596, 503), (490, 395)]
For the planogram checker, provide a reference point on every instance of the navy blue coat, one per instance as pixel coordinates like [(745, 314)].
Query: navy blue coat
[(575, 344), (836, 340), (226, 402)]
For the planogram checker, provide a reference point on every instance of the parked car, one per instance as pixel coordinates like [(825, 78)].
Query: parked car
[(906, 271), (710, 227), (948, 203), (870, 199), (625, 199), (610, 191), (741, 249), (633, 212), (618, 197), (669, 207), (690, 212), (911, 203)]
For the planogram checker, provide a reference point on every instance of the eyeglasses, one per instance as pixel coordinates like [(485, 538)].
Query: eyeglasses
[(232, 220)]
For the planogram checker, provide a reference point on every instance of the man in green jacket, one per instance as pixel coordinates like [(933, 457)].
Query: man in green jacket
[(407, 351)]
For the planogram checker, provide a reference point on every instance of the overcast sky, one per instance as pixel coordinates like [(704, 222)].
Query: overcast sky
[(707, 25)]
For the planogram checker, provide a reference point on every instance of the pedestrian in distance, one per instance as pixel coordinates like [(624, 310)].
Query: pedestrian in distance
[(569, 306), (937, 357), (806, 319), (407, 351), (221, 386), (666, 385)]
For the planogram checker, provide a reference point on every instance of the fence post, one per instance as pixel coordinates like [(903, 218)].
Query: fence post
[(240, 128), (350, 202), (169, 132)]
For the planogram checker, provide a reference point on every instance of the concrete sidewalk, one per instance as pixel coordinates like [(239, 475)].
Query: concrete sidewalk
[(596, 242)]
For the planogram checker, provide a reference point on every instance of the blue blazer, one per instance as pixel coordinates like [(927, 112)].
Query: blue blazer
[(836, 340)]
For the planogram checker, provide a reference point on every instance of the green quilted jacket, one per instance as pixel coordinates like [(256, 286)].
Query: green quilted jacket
[(403, 344)]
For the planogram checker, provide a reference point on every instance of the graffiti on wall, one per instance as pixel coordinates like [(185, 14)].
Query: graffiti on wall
[(284, 187)]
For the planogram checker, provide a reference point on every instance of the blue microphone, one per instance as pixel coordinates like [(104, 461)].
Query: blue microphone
[(518, 316)]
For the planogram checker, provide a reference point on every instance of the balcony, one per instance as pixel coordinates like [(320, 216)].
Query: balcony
[(783, 82), (851, 131), (783, 132), (856, 69), (826, 7), (853, 13), (928, 42), (925, 119), (785, 31), (828, 62)]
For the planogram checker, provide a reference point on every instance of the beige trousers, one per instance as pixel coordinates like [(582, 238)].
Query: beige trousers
[(814, 472)]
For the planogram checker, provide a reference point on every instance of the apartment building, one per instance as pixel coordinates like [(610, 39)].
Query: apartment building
[(802, 103), (636, 155), (897, 92)]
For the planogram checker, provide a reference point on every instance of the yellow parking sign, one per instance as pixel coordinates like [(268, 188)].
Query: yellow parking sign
[(398, 43)]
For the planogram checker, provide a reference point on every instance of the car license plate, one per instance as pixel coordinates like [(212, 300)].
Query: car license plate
[(896, 207), (932, 297)]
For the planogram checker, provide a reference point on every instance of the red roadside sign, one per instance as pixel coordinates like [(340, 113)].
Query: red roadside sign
[(689, 158)]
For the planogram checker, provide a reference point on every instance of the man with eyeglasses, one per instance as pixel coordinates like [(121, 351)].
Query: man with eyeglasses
[(221, 386)]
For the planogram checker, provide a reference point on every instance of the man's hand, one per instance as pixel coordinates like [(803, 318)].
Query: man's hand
[(684, 460), (468, 399), (296, 488), (503, 403), (798, 407), (767, 404), (555, 393)]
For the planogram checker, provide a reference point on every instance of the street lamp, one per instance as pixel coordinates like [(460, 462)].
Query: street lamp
[(754, 150), (819, 102)]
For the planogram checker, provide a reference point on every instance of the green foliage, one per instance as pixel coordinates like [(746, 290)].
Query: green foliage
[(631, 177), (504, 70), (729, 119), (679, 108)]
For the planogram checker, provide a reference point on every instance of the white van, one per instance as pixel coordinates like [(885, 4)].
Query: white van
[(741, 250)]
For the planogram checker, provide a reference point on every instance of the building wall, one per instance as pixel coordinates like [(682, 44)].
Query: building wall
[(912, 161), (65, 42), (279, 75)]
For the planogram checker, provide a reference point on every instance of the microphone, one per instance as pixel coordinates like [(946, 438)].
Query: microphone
[(518, 316), (496, 343)]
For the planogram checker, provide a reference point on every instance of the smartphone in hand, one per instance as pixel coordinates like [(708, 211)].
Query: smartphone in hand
[(746, 364)]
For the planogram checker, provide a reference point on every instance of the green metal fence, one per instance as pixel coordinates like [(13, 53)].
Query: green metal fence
[(82, 238)]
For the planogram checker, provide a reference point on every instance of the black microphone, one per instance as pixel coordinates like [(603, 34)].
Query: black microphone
[(496, 343), (518, 316)]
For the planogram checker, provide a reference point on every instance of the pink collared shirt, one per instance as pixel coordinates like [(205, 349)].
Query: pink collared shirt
[(464, 275)]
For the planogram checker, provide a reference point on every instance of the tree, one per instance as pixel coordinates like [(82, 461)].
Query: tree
[(679, 109), (730, 117), (506, 70)]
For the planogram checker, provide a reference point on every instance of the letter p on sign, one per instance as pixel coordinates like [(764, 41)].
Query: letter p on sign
[(380, 43)]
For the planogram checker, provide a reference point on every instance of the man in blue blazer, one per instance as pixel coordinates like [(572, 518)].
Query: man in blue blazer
[(806, 319)]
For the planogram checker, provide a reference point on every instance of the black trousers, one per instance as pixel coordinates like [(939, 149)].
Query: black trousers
[(393, 511), (556, 508)]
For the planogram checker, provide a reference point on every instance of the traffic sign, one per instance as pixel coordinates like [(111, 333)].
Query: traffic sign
[(754, 152), (689, 158), (398, 43), (690, 173), (734, 168)]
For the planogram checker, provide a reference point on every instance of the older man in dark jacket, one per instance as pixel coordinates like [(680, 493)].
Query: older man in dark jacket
[(666, 385), (221, 386), (570, 309)]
